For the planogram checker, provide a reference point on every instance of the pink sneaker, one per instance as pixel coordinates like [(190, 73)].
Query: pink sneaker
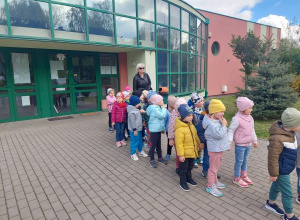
[(123, 143), (247, 180), (240, 182), (119, 144)]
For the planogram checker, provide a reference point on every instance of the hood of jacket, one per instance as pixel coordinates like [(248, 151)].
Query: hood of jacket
[(205, 122), (276, 129), (131, 108), (180, 123)]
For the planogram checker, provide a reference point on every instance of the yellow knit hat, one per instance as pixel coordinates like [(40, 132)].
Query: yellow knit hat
[(216, 105)]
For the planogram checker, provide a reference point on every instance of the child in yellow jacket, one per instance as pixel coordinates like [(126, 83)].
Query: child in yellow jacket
[(187, 143)]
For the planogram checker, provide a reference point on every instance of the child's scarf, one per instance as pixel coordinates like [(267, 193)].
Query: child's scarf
[(122, 104)]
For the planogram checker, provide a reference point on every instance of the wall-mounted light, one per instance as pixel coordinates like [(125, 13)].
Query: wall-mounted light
[(209, 34), (224, 89)]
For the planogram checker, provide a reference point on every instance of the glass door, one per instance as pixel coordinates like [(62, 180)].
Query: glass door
[(5, 114)]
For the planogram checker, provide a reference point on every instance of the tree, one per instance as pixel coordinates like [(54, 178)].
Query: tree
[(289, 52)]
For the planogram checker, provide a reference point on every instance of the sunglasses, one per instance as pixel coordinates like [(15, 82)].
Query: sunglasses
[(141, 68)]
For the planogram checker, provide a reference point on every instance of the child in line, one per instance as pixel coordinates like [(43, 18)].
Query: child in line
[(241, 131), (110, 102), (282, 158), (157, 114), (128, 89), (126, 99), (187, 143), (217, 143), (135, 128), (298, 166), (118, 118)]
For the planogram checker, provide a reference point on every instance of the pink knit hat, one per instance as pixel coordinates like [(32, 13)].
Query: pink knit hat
[(155, 99), (179, 102), (171, 101), (127, 88), (244, 103)]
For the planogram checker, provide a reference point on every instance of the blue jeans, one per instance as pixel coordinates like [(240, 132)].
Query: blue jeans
[(241, 159), (298, 185), (136, 142), (205, 164), (119, 131)]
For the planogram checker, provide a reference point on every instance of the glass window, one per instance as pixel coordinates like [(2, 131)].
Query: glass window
[(175, 16), (3, 22), (199, 27), (126, 30), (84, 69), (163, 61), (146, 9), (192, 63), (29, 18), (108, 64), (86, 100), (202, 81), (68, 22), (146, 34), (184, 42), (175, 62), (22, 69), (2, 72), (175, 40), (198, 81), (109, 82), (193, 25), (26, 106), (185, 21), (163, 80), (162, 37), (215, 48), (62, 103), (185, 83), (193, 44), (203, 48), (59, 70), (162, 12), (100, 4), (192, 82), (101, 27), (73, 2), (125, 7), (4, 106), (175, 83), (198, 64), (203, 65), (184, 63)]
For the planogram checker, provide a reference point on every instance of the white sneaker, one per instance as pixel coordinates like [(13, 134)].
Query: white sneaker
[(134, 157), (143, 154)]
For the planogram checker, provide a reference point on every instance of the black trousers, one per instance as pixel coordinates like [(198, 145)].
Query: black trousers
[(169, 148), (185, 170), (109, 120), (156, 144)]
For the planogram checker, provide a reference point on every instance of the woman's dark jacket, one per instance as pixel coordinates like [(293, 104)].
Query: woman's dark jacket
[(140, 83)]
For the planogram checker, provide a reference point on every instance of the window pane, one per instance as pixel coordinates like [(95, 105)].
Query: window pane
[(108, 64), (59, 70), (22, 69), (100, 4), (192, 63), (84, 69), (203, 48), (62, 103), (26, 106), (68, 22), (184, 42), (163, 80), (175, 16), (86, 100), (184, 20), (193, 44), (74, 2), (146, 9), (101, 27), (126, 30), (125, 7), (202, 81), (192, 82), (162, 37), (2, 72), (146, 34), (4, 108), (162, 12), (163, 61), (175, 83), (3, 22), (198, 82), (185, 83), (184, 63), (175, 62), (199, 27), (175, 39), (109, 82), (193, 27), (198, 64), (29, 18)]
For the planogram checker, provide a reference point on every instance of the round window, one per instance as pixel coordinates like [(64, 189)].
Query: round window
[(215, 48)]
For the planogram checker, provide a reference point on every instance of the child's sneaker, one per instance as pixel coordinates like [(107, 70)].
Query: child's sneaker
[(240, 182), (196, 164), (293, 218), (163, 161), (153, 164), (119, 144), (247, 180), (220, 185), (123, 143), (184, 187), (204, 174), (167, 157), (111, 129), (201, 160), (134, 157), (274, 208), (214, 191), (298, 199), (143, 154), (192, 182)]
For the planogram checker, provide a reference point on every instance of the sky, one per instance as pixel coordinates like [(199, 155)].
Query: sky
[(276, 13)]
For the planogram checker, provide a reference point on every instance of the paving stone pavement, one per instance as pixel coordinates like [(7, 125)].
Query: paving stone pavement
[(71, 169)]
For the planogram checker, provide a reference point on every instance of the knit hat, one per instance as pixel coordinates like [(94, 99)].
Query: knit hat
[(134, 100), (151, 93), (171, 101), (196, 98), (184, 110), (243, 103), (127, 88), (108, 90), (126, 94), (206, 104), (155, 99), (179, 102), (145, 93), (290, 118), (137, 93), (215, 106), (120, 94)]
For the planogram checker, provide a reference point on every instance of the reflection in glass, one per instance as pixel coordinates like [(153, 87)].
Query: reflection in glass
[(175, 83), (22, 69), (4, 108), (163, 61), (192, 63), (62, 103), (184, 63), (29, 18), (162, 37), (59, 70), (193, 25), (185, 83), (199, 22), (162, 12), (175, 62), (108, 64), (198, 64), (126, 30), (2, 72), (192, 82), (26, 106), (202, 81), (84, 70), (101, 27), (184, 42), (185, 21), (109, 82), (74, 2), (146, 34), (175, 16), (203, 65), (198, 81), (175, 39), (86, 101), (146, 9), (203, 48), (163, 80), (105, 5), (68, 22), (125, 7), (3, 22), (193, 44)]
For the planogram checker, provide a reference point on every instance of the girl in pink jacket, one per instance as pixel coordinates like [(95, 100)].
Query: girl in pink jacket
[(110, 98), (241, 131)]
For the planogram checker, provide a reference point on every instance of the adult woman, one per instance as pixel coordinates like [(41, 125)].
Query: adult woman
[(141, 81)]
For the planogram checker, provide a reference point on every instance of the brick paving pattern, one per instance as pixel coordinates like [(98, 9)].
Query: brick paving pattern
[(71, 169)]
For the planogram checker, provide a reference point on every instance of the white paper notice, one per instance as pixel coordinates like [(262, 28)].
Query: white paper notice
[(55, 66), (60, 89), (25, 101), (113, 70), (21, 68)]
